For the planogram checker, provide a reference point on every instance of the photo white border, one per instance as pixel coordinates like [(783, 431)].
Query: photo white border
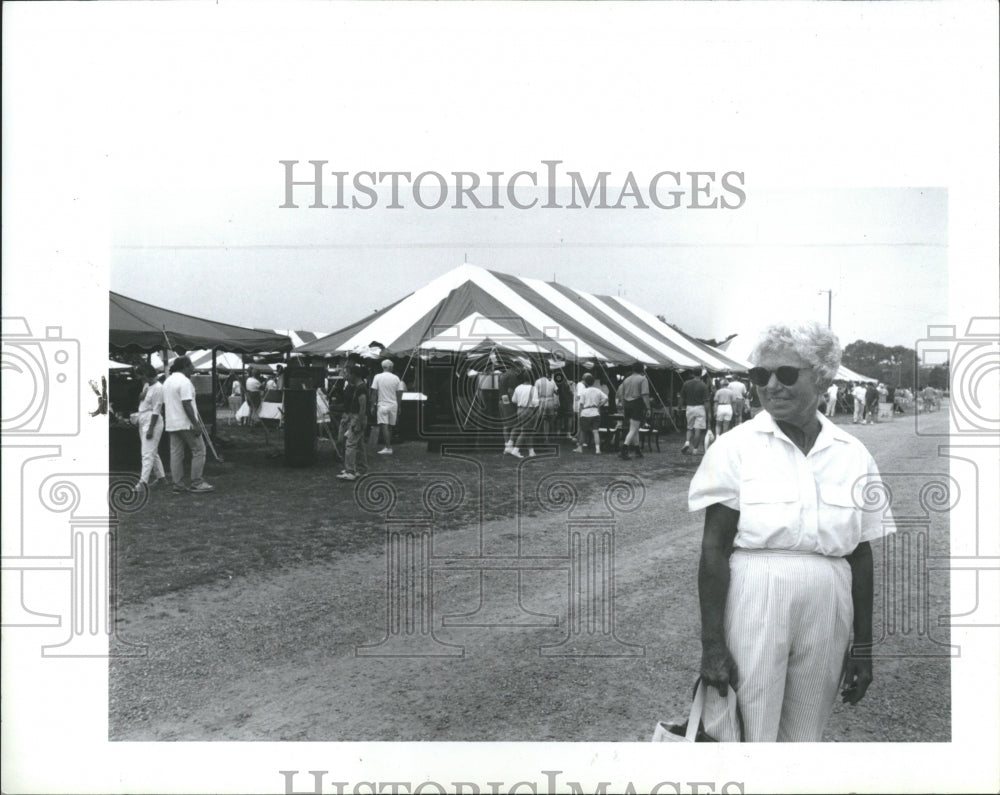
[(881, 123)]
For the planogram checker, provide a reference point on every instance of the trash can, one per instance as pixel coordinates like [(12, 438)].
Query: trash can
[(300, 427)]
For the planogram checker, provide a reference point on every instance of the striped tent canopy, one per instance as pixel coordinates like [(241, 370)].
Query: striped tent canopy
[(202, 360), (298, 337), (471, 307)]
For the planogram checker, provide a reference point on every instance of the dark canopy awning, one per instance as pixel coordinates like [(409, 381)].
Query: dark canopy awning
[(137, 326)]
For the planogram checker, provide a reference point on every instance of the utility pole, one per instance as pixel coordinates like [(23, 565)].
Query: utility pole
[(829, 307)]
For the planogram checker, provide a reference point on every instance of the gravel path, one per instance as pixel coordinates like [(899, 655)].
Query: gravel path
[(286, 656)]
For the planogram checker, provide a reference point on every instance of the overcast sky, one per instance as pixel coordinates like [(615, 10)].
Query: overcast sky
[(242, 259)]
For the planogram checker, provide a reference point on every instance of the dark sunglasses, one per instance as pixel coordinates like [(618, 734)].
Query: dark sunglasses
[(786, 375)]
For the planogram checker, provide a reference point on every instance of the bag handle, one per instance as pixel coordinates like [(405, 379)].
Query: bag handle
[(698, 709)]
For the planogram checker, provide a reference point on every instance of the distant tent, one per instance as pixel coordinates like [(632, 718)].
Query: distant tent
[(844, 374), (470, 307), (136, 326)]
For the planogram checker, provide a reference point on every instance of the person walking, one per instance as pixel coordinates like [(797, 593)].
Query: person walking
[(858, 393), (509, 379), (353, 425), (526, 400), (150, 428), (579, 388), (739, 390), (694, 395), (786, 571), (633, 396), (254, 397), (592, 400), (185, 428), (385, 394), (564, 397), (548, 405), (723, 401), (871, 404), (831, 401)]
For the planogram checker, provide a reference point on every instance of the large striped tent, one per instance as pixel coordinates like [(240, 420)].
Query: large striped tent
[(473, 308)]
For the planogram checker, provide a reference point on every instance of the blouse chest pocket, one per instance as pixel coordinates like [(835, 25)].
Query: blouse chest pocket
[(837, 496)]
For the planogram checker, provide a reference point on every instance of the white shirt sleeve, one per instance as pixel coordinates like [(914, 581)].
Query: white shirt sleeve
[(876, 516), (717, 479), (156, 398)]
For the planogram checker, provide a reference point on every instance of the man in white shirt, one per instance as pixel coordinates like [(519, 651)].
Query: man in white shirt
[(385, 393), (184, 426), (858, 393), (591, 402), (253, 396), (831, 401), (739, 390)]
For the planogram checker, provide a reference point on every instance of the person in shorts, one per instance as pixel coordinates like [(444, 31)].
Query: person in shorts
[(634, 396), (694, 394), (385, 394), (723, 401), (592, 400)]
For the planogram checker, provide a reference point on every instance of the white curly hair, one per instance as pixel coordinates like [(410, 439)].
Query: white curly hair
[(812, 342)]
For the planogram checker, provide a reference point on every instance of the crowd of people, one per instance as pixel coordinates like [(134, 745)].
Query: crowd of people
[(534, 406)]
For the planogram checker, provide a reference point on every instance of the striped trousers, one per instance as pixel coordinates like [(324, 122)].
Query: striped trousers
[(788, 626)]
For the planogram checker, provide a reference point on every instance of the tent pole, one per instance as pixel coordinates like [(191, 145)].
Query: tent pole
[(215, 393)]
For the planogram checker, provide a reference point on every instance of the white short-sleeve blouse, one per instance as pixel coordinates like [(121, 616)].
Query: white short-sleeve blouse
[(826, 502)]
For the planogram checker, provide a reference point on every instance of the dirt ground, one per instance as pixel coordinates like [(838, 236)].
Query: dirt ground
[(486, 602)]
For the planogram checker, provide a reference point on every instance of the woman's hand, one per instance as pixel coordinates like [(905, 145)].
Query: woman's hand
[(718, 668), (857, 674), (858, 666), (717, 665)]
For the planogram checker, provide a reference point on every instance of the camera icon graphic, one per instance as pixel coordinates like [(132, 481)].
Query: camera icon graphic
[(41, 381), (974, 376)]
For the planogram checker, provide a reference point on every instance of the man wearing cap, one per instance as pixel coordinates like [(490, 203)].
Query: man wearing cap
[(385, 393), (184, 426), (694, 394)]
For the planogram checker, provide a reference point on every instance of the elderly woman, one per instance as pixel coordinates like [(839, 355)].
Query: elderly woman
[(786, 567)]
